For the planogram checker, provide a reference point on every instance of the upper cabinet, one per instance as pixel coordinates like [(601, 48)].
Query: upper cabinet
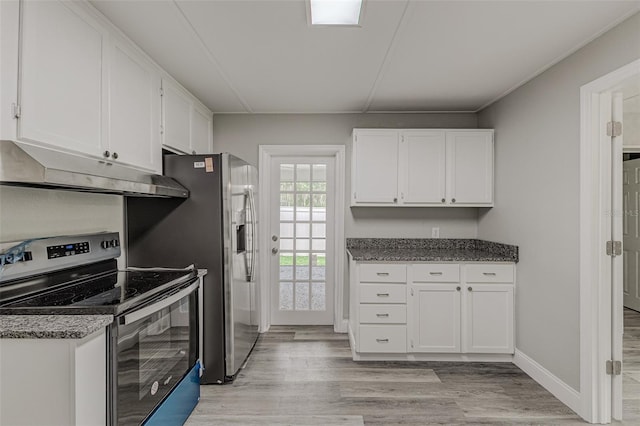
[(71, 81), (61, 92), (134, 110), (422, 168), (187, 124)]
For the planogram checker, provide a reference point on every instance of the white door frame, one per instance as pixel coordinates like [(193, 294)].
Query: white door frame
[(264, 166), (595, 265)]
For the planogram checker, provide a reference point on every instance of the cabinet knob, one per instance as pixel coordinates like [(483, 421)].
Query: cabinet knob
[(443, 200), (114, 155), (106, 154), (395, 200), (453, 200), (470, 288), (193, 152), (458, 288), (274, 251)]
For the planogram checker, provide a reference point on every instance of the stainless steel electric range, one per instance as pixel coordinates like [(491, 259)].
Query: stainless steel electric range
[(153, 342)]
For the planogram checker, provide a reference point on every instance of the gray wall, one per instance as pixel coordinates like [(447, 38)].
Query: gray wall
[(241, 134), (537, 135), (31, 212)]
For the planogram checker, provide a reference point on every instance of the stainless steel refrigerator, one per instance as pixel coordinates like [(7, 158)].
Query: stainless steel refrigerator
[(215, 228)]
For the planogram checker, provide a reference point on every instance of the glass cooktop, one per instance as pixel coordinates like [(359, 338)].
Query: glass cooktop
[(109, 293)]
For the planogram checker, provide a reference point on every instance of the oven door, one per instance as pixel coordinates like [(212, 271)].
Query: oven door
[(155, 347)]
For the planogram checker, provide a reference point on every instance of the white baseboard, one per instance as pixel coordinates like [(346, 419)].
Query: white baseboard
[(341, 327), (565, 393)]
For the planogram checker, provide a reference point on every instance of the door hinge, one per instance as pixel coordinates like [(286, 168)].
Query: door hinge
[(411, 342), (354, 196), (161, 91), (614, 368), (614, 248), (614, 128), (16, 110), (412, 292)]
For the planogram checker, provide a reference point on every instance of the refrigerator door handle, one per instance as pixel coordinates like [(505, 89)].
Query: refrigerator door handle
[(252, 207)]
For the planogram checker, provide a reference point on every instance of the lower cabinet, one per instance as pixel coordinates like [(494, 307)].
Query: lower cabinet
[(429, 308)]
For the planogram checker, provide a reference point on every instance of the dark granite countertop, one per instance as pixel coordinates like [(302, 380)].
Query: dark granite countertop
[(430, 250), (51, 326)]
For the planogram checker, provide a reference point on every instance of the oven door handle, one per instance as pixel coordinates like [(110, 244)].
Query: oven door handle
[(161, 304)]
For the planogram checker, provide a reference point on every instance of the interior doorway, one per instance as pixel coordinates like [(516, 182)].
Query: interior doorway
[(609, 272)]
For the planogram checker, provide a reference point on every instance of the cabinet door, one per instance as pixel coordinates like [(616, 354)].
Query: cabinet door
[(176, 107), (433, 318), (61, 93), (422, 168), (201, 130), (134, 110), (470, 168), (375, 167), (488, 318)]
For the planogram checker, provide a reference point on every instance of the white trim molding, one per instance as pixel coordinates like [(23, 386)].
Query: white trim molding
[(565, 393), (595, 266), (265, 152)]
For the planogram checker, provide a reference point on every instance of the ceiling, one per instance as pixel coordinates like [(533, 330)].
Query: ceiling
[(260, 56)]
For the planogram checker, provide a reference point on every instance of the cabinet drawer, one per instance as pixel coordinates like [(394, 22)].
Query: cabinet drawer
[(383, 314), (383, 293), (383, 338), (489, 273), (383, 273), (436, 272)]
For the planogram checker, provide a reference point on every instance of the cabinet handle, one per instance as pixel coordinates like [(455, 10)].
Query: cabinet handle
[(114, 155), (382, 315), (435, 273), (382, 294), (489, 274), (453, 200), (106, 154), (382, 340), (443, 200), (382, 274), (458, 288), (469, 288)]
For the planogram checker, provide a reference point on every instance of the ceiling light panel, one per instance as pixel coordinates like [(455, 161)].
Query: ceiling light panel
[(335, 12)]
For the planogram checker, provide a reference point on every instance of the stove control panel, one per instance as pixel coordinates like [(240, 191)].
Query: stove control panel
[(67, 250)]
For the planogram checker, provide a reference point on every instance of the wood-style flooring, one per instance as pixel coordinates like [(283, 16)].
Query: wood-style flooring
[(305, 376)]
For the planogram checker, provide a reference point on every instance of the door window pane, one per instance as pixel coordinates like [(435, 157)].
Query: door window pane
[(319, 230), (302, 244), (302, 230), (318, 297), (286, 244), (286, 296), (302, 296), (319, 172), (286, 173), (286, 230), (318, 244)]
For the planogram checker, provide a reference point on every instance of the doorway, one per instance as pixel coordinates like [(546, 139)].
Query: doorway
[(606, 268), (302, 195)]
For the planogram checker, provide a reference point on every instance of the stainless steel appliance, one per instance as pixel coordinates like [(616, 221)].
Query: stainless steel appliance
[(215, 228), (153, 341)]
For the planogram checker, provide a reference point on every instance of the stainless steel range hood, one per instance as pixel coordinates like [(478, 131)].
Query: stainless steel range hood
[(27, 165)]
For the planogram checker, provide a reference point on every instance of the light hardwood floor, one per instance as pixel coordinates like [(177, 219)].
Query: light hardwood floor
[(305, 376)]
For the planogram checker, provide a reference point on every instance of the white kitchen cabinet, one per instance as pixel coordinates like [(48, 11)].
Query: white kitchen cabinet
[(433, 167), (61, 92), (434, 318), (375, 167), (448, 311), (134, 110), (187, 125), (54, 381)]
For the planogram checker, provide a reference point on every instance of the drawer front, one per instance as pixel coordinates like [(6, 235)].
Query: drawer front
[(489, 273), (383, 273), (383, 293), (436, 272), (383, 338), (383, 314)]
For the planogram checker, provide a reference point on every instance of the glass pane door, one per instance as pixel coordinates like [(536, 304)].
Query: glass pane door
[(303, 294)]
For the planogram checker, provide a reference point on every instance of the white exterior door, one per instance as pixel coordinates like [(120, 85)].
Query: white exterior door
[(631, 233), (302, 236)]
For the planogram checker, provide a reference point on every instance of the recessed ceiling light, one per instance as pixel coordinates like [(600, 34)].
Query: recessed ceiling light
[(335, 12)]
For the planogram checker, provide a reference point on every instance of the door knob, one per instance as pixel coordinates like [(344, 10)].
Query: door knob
[(274, 238), (274, 250)]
